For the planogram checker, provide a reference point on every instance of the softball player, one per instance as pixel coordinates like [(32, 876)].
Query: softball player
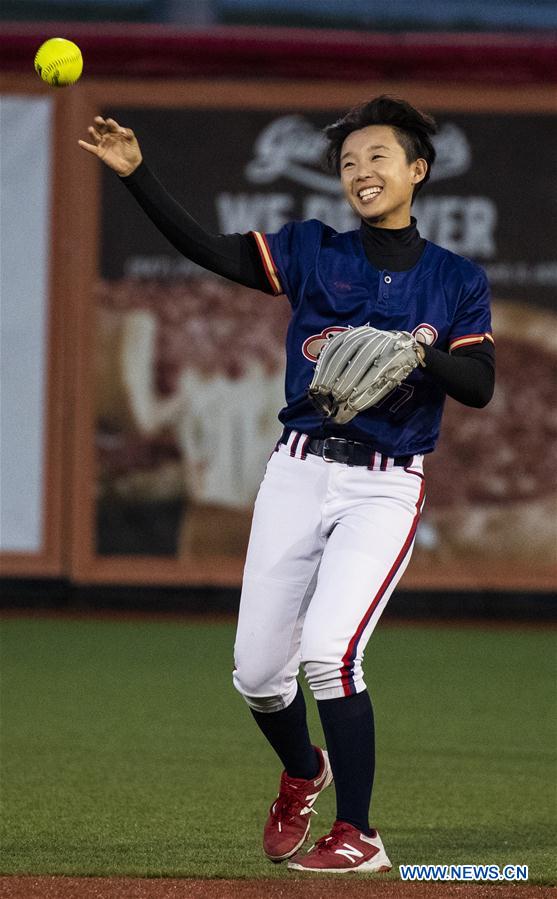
[(336, 515)]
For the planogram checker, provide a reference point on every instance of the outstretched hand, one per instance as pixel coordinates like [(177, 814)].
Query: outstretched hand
[(117, 147)]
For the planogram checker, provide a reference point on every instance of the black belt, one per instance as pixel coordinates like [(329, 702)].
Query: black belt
[(349, 452)]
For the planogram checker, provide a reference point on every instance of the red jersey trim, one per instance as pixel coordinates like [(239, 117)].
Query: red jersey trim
[(469, 340), (268, 263)]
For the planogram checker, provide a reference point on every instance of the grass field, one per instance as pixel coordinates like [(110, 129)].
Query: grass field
[(126, 750)]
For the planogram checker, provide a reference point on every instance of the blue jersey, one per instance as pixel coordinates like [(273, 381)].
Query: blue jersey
[(331, 285)]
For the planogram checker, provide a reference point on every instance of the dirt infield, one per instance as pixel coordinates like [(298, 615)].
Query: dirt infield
[(308, 888)]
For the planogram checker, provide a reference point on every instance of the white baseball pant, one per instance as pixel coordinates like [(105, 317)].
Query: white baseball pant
[(329, 543)]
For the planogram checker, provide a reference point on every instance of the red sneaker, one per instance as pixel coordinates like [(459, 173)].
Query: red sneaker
[(288, 824), (345, 849)]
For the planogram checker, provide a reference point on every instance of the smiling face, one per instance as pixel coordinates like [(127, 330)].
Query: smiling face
[(377, 179)]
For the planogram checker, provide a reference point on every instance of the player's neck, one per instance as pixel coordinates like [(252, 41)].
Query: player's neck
[(407, 234), (393, 249)]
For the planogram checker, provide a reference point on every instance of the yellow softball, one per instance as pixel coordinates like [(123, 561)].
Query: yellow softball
[(59, 62)]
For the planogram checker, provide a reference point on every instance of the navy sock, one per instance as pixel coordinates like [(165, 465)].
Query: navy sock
[(288, 734), (350, 736)]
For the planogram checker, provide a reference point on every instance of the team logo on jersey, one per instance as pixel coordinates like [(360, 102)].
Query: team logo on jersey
[(425, 333), (314, 344)]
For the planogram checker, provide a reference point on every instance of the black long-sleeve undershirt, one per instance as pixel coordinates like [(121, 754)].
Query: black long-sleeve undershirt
[(466, 375), (234, 256)]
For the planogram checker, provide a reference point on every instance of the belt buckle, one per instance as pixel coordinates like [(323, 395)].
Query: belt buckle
[(334, 444)]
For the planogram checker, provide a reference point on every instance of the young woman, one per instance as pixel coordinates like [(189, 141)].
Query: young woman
[(336, 515)]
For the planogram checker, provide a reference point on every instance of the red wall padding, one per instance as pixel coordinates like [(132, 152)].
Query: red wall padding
[(161, 51)]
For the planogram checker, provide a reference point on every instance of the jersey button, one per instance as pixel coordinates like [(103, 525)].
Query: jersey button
[(387, 279)]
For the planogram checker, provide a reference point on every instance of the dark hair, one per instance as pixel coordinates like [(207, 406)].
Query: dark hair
[(413, 130)]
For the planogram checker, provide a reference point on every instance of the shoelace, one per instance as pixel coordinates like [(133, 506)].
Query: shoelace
[(330, 840), (290, 804)]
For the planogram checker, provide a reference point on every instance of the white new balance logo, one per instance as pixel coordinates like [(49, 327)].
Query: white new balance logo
[(311, 797), (350, 852)]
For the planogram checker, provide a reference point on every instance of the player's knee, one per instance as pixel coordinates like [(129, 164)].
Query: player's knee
[(263, 690), (253, 675)]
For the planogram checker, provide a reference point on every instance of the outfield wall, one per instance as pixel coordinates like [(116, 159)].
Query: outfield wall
[(144, 461)]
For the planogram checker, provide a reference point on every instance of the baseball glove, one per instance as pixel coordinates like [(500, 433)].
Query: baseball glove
[(358, 367)]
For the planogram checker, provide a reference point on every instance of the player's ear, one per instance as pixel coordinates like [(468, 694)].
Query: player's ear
[(420, 170)]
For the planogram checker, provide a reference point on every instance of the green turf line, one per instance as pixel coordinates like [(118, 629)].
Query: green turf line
[(126, 750)]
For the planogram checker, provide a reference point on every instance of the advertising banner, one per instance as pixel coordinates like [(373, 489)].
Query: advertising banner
[(189, 367), (24, 248)]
